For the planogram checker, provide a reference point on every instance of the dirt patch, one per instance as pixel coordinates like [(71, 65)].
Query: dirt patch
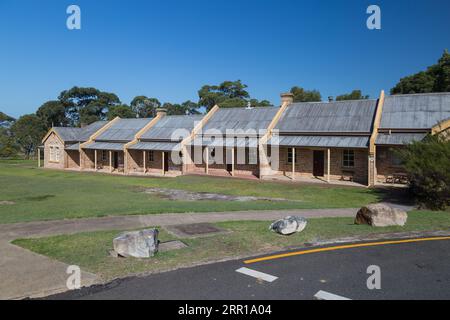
[(194, 230), (7, 203), (183, 195), (40, 198)]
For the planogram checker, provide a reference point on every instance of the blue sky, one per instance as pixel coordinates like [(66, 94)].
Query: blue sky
[(169, 49)]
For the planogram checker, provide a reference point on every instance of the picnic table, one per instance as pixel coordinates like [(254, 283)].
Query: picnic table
[(398, 177)]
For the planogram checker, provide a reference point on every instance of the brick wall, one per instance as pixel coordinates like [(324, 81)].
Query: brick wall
[(54, 141), (304, 163), (385, 165), (73, 159)]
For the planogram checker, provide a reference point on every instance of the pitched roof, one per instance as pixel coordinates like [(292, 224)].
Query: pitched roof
[(415, 111), (241, 119), (68, 134), (72, 134), (354, 116), (172, 128), (398, 138), (321, 141), (123, 130)]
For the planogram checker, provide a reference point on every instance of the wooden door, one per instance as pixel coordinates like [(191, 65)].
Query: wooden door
[(318, 163)]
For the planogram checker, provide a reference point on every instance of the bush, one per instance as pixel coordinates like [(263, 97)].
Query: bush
[(428, 165)]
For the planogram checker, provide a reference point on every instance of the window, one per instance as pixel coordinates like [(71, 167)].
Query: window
[(348, 159), (54, 154), (151, 156), (104, 155), (252, 156), (289, 155), (395, 159), (57, 154)]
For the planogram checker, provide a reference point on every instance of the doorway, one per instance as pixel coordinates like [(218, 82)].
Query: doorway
[(115, 160), (166, 161), (318, 163)]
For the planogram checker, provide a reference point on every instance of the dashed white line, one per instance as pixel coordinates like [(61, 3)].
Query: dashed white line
[(257, 274), (323, 295)]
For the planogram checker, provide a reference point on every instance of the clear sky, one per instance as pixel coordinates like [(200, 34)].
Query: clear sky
[(169, 49)]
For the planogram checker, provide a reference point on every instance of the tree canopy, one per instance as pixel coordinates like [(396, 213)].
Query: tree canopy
[(435, 79), (302, 95), (87, 105), (53, 114), (186, 108), (145, 107), (122, 110), (28, 131), (354, 95)]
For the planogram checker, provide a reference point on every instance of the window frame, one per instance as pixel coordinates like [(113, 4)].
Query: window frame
[(151, 156), (348, 158)]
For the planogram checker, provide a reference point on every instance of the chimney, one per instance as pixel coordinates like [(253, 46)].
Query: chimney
[(287, 98), (161, 112), (330, 99)]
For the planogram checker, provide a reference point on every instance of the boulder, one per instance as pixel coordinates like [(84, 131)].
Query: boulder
[(137, 244), (289, 225), (381, 215)]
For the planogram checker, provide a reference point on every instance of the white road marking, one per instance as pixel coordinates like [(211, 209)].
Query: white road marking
[(323, 295), (257, 274)]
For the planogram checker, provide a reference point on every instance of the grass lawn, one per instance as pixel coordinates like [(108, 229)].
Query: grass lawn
[(36, 194), (90, 250)]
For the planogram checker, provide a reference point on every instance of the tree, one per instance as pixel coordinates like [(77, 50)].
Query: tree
[(227, 94), (145, 107), (122, 111), (302, 95), (427, 163), (8, 146), (435, 79), (28, 131), (53, 114), (5, 120), (186, 108), (354, 95), (86, 105), (255, 103), (443, 74)]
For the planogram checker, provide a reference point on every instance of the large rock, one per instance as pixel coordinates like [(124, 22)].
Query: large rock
[(289, 225), (137, 244), (381, 215)]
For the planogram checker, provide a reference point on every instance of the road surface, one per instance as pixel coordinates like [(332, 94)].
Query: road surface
[(418, 270)]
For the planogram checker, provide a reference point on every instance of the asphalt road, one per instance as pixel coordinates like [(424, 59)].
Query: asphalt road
[(408, 271)]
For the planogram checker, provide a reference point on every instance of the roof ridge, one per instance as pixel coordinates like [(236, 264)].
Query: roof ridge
[(419, 94)]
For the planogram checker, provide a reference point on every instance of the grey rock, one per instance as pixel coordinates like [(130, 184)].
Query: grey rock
[(137, 244), (381, 215), (289, 225)]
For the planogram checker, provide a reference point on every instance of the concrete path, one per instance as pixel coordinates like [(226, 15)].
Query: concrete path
[(26, 274)]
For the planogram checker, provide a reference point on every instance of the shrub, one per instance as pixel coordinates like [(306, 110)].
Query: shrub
[(427, 163)]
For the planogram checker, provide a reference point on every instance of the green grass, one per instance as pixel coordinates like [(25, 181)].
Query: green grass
[(90, 250), (41, 194)]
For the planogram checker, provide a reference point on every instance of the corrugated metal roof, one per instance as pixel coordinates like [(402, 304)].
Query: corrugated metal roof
[(398, 138), (68, 134), (339, 116), (415, 111), (251, 120), (172, 128), (321, 141), (123, 130), (226, 142), (114, 146), (74, 147), (159, 146), (72, 134), (88, 131)]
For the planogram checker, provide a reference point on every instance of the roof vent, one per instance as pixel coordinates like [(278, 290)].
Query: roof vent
[(249, 105), (330, 99)]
